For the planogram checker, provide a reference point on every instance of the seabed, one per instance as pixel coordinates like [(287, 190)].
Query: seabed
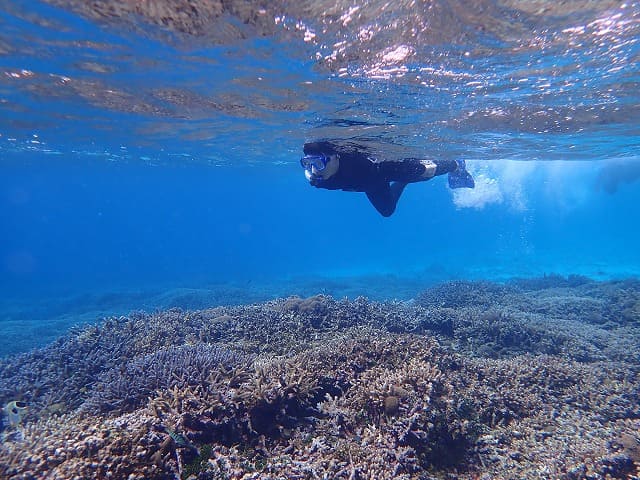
[(535, 379)]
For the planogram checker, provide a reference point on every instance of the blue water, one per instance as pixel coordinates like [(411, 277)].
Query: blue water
[(138, 159)]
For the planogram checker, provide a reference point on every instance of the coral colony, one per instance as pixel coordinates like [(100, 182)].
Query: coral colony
[(532, 379)]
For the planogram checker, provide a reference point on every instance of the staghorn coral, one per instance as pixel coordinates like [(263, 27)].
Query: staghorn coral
[(76, 446), (321, 412), (586, 322), (280, 395), (125, 388), (593, 321), (463, 294), (550, 281), (314, 309)]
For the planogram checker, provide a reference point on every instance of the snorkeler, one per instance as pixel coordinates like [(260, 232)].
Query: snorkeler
[(332, 167)]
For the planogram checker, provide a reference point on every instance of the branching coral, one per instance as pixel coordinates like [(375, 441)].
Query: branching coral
[(126, 388), (329, 391)]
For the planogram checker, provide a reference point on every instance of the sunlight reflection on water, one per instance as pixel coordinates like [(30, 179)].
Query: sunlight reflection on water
[(480, 79)]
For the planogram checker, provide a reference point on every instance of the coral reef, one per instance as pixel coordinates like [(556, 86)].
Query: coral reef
[(471, 380), (125, 388), (577, 318)]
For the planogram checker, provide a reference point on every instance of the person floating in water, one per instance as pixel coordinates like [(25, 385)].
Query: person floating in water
[(330, 166)]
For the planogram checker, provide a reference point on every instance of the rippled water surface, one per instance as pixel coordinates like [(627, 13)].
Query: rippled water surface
[(239, 82)]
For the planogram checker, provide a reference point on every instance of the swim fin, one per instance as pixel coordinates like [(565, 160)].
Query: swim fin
[(460, 178)]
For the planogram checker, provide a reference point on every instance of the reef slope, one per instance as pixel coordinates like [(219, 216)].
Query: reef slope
[(530, 379)]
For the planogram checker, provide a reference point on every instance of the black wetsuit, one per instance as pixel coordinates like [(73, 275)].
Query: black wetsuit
[(382, 181)]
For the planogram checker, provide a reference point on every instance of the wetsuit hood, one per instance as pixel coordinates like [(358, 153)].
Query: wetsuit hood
[(316, 148)]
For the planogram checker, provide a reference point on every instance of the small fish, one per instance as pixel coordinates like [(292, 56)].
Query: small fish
[(180, 440), (14, 411)]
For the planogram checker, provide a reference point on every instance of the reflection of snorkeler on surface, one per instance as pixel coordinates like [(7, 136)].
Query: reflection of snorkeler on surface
[(335, 168)]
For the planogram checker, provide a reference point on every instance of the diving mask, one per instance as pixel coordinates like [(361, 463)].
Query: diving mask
[(317, 162)]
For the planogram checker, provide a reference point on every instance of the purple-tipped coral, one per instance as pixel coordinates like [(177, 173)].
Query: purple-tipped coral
[(319, 388), (128, 387)]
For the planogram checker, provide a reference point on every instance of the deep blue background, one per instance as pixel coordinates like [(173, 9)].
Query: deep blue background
[(72, 227)]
